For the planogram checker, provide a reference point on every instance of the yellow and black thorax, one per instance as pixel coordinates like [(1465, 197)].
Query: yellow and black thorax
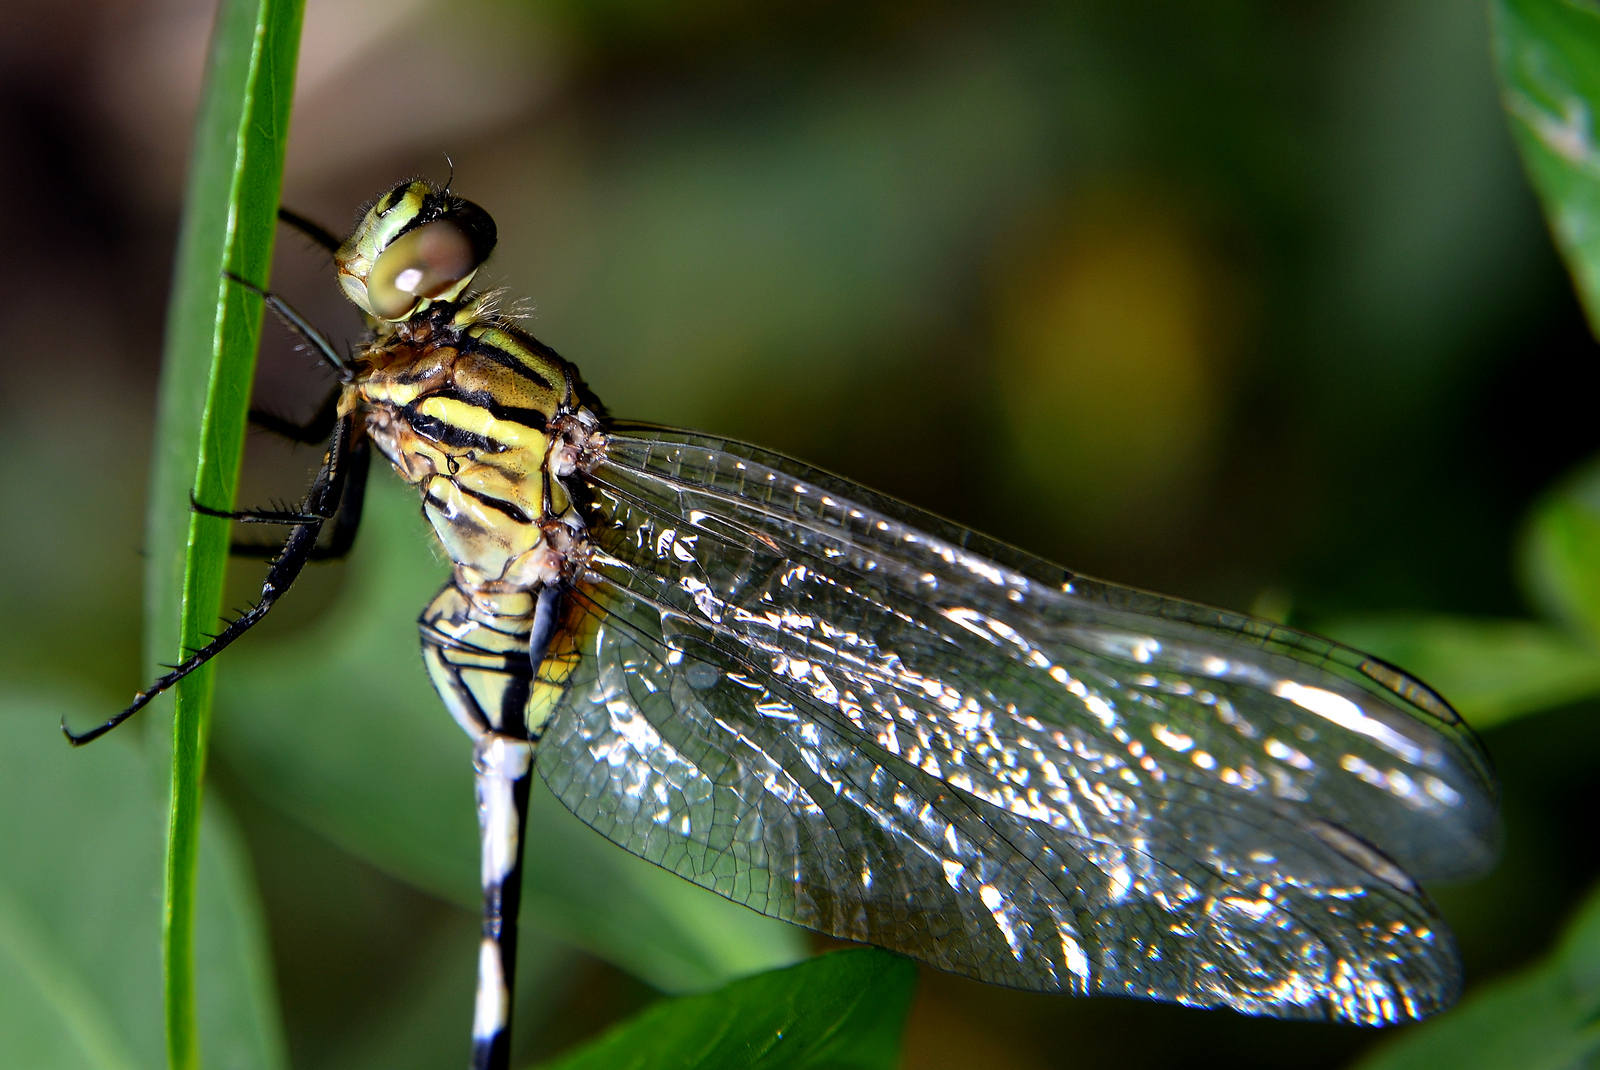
[(478, 416)]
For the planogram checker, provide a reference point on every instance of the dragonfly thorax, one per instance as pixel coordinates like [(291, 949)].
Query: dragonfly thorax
[(483, 420)]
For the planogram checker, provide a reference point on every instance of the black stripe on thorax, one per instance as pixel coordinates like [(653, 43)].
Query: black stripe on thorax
[(442, 431), (516, 665), (419, 371), (563, 388), (479, 348), (509, 509), (497, 504), (484, 399), (459, 437), (439, 504)]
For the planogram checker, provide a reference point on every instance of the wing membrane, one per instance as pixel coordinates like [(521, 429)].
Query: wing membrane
[(848, 713)]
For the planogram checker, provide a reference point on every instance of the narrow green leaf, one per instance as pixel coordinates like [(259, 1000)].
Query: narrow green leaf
[(339, 727), (1560, 551), (212, 331), (80, 910), (1490, 670), (844, 1010), (1541, 1019), (1547, 54)]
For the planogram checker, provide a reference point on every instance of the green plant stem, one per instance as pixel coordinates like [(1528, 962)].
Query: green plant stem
[(213, 329)]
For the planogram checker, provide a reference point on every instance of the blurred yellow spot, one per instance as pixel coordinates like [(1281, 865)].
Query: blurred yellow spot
[(1106, 341)]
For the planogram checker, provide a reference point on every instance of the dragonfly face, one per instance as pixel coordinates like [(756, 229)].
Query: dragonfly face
[(414, 247), (843, 711)]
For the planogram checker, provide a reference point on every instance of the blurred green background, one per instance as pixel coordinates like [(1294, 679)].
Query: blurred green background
[(1246, 302)]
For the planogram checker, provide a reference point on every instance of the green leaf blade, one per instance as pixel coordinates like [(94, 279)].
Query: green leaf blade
[(1492, 671), (1559, 554), (213, 330), (1547, 55), (843, 1011)]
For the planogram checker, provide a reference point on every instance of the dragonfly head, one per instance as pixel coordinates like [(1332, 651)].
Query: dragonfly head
[(415, 246)]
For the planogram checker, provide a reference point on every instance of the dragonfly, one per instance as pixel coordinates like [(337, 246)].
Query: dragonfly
[(843, 711)]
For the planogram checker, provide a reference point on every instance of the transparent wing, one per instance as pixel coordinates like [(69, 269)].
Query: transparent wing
[(845, 712)]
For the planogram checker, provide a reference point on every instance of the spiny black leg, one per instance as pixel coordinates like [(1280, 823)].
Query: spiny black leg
[(348, 519), (257, 516), (345, 523), (313, 431), (295, 322), (315, 231), (321, 502), (254, 550), (264, 551)]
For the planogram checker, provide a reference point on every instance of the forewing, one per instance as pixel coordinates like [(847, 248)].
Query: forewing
[(844, 712)]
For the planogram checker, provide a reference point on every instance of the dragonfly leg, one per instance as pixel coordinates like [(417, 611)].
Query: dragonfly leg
[(321, 503), (504, 766), (296, 323), (289, 517), (315, 231), (315, 430), (346, 522)]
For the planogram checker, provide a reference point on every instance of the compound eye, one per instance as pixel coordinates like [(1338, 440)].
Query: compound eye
[(418, 266)]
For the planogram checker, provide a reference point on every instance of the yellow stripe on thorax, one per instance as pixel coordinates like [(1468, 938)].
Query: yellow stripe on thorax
[(387, 390), (515, 346), (481, 421)]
